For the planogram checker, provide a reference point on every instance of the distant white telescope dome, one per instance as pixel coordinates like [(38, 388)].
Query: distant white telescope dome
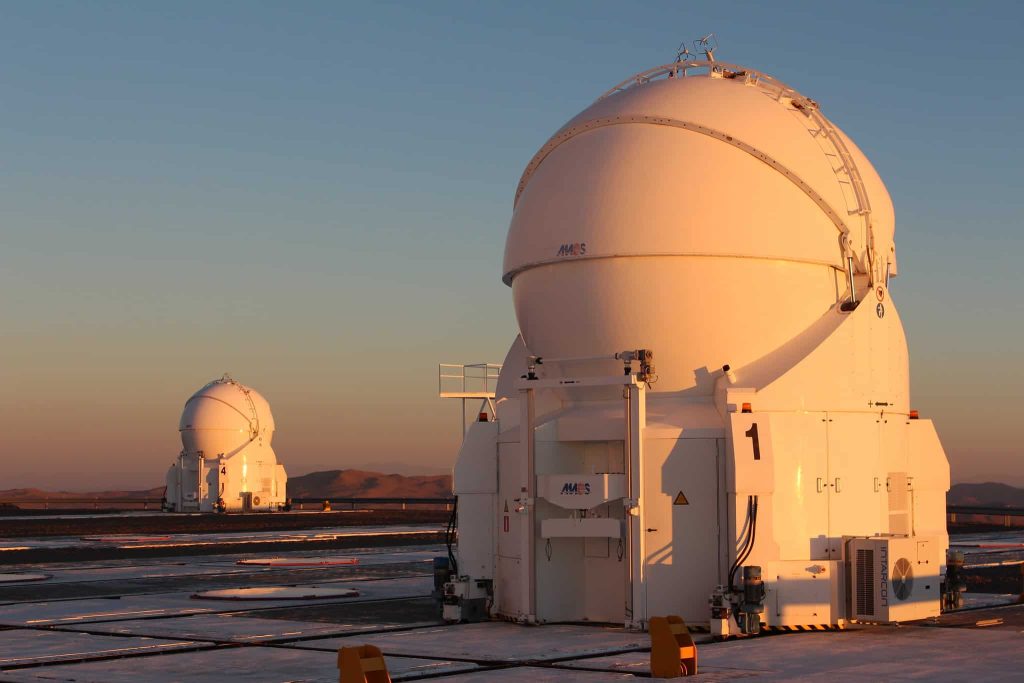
[(224, 417), (710, 218), (226, 463)]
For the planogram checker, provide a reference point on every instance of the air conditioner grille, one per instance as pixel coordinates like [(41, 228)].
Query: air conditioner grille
[(865, 582)]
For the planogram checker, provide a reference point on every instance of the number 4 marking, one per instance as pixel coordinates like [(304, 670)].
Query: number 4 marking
[(752, 433)]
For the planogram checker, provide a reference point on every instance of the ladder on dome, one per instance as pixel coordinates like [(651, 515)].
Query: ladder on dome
[(469, 381)]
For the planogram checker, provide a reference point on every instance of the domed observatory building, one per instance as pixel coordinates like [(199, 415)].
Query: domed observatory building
[(226, 463), (708, 399)]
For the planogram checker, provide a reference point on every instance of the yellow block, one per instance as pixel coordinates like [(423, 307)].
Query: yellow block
[(362, 664), (673, 652)]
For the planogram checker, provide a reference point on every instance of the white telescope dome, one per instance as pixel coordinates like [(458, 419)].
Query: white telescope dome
[(708, 217), (224, 417), (227, 463)]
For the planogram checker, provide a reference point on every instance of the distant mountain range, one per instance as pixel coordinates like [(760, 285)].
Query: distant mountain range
[(363, 484), (330, 484), (988, 494), (366, 484), (30, 494)]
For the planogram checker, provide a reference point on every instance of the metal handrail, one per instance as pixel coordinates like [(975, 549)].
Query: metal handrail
[(470, 380), (92, 503), (376, 501), (675, 69), (984, 510), (354, 503), (120, 503)]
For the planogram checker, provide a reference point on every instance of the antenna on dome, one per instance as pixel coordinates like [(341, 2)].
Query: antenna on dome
[(708, 44), (683, 54)]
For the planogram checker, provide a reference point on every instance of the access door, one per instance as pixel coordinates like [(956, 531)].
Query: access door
[(680, 525), (856, 480), (799, 447)]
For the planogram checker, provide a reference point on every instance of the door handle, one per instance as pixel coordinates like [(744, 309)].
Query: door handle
[(819, 485), (837, 484), (650, 530)]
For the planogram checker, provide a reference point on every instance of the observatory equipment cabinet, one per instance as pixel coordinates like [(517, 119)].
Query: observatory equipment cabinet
[(710, 374)]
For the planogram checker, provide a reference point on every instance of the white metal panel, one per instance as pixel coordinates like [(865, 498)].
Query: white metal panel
[(476, 468), (800, 501), (574, 583), (581, 527), (509, 531), (893, 439), (509, 490), (929, 473), (858, 503), (803, 593), (682, 541), (476, 485)]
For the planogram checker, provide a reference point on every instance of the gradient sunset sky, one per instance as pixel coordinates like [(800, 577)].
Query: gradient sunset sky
[(314, 197)]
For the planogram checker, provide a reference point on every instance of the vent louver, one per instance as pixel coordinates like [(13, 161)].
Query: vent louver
[(865, 581)]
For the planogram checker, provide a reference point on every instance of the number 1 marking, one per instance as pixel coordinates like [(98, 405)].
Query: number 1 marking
[(752, 433)]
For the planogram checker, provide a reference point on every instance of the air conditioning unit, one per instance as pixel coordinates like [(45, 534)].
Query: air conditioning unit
[(894, 578)]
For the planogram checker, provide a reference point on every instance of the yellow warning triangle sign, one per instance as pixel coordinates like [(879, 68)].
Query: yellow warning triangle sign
[(680, 499)]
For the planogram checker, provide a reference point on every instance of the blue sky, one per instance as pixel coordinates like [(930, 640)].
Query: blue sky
[(314, 197)]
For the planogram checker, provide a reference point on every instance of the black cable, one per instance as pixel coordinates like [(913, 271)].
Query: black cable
[(748, 545), (449, 536), (743, 546), (753, 533)]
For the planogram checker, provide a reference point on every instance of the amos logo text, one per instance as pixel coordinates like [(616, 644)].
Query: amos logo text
[(576, 488), (574, 249)]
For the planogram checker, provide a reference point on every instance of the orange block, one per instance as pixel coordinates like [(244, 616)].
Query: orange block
[(673, 652), (362, 664)]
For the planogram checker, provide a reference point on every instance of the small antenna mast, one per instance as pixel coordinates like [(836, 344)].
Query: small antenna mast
[(682, 53), (708, 44)]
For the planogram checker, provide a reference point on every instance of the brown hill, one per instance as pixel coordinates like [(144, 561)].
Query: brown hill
[(987, 494), (30, 494), (363, 484)]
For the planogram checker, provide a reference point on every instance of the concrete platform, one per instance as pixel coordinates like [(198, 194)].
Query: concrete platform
[(67, 612), (535, 675), (497, 642), (22, 577), (239, 628), (85, 611), (25, 646), (252, 664), (158, 633), (186, 541), (202, 565), (877, 653), (47, 549)]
